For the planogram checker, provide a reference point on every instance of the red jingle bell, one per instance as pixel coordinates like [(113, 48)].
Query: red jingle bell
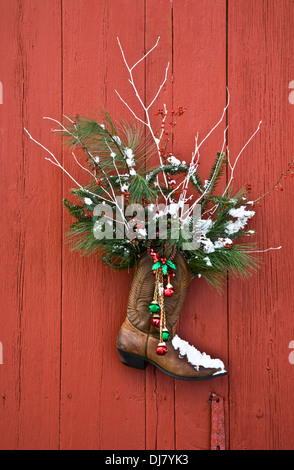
[(155, 321), (168, 292), (161, 349)]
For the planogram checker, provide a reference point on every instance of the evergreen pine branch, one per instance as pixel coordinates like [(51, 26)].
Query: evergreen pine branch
[(236, 261), (140, 189), (197, 182), (108, 138), (75, 210), (110, 147), (119, 254), (216, 172), (169, 169), (224, 205)]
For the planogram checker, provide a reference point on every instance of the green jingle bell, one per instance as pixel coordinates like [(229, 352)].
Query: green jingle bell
[(154, 307), (165, 335)]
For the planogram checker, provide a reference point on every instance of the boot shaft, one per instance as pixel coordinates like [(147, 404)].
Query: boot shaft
[(142, 290)]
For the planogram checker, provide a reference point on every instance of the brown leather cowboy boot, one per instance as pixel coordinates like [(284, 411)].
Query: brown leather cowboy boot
[(138, 338)]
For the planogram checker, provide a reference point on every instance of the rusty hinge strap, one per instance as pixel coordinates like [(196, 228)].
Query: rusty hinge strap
[(218, 437)]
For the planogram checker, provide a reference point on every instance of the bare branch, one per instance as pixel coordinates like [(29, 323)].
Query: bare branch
[(55, 161), (160, 88), (262, 251), (147, 123), (147, 53), (276, 184), (130, 109), (218, 123), (232, 167), (84, 168)]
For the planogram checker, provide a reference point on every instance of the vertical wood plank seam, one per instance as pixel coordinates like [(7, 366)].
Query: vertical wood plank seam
[(21, 241), (172, 144), (145, 92), (62, 229), (227, 176)]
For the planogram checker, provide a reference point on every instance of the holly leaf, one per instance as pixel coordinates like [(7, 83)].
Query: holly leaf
[(164, 269), (156, 266), (171, 264)]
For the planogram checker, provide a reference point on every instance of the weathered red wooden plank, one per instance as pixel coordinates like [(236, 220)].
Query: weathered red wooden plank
[(30, 240), (260, 68), (103, 402), (199, 77), (9, 370), (159, 387)]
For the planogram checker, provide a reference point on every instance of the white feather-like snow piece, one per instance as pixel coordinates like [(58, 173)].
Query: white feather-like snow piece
[(88, 201), (242, 216), (195, 357), (173, 160)]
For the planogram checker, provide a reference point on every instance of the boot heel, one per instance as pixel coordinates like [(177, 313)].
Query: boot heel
[(131, 360)]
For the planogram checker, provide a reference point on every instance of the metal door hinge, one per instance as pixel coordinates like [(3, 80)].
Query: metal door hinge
[(218, 437)]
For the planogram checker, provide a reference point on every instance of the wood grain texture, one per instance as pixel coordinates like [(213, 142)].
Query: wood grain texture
[(160, 404), (62, 385), (31, 230), (260, 45), (101, 399), (199, 83)]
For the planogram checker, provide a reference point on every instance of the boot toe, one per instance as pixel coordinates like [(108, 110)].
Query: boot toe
[(184, 361)]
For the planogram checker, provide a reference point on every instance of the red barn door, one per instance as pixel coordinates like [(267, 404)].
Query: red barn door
[(62, 385)]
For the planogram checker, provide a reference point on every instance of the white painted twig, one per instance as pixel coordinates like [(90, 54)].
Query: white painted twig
[(218, 123), (147, 123), (57, 163), (162, 122), (263, 251), (160, 88), (130, 109), (112, 154), (83, 168), (144, 56), (90, 155), (54, 161), (191, 209), (233, 167), (192, 167)]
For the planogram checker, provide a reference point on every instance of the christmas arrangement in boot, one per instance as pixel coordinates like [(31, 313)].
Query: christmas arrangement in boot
[(161, 218)]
